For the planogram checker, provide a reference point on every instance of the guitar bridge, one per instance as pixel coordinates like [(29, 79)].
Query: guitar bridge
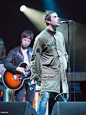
[(20, 79)]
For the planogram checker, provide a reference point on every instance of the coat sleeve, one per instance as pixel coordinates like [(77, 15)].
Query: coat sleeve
[(8, 63), (35, 59)]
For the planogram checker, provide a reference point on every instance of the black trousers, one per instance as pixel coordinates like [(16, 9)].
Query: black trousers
[(19, 95)]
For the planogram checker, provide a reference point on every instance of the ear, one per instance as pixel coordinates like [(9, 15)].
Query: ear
[(48, 21)]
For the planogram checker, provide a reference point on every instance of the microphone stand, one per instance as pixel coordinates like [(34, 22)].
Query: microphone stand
[(69, 69)]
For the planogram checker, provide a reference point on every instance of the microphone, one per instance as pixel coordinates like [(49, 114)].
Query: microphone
[(67, 21)]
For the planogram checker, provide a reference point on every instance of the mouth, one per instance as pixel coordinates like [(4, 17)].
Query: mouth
[(58, 22), (25, 45)]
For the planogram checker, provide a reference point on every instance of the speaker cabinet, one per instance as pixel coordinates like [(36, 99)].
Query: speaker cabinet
[(16, 108), (69, 108)]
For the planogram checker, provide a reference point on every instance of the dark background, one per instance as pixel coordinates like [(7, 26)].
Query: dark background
[(13, 22)]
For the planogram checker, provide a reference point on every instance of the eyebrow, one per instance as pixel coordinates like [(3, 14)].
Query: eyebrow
[(55, 16)]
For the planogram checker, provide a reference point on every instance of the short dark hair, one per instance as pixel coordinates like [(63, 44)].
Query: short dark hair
[(27, 34), (47, 16)]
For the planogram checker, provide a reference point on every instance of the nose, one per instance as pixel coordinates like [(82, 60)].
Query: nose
[(58, 18), (26, 42)]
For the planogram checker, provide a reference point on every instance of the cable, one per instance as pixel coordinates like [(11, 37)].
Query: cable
[(65, 100)]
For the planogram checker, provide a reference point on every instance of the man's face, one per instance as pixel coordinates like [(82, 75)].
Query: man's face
[(25, 42), (54, 20)]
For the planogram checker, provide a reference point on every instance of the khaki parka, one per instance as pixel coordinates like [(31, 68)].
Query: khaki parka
[(49, 61)]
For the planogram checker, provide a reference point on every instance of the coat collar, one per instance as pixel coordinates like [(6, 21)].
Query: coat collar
[(51, 32), (21, 51)]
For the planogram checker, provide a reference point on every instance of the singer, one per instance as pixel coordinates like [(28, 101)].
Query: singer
[(49, 62)]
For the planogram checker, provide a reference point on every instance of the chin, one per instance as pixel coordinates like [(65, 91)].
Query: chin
[(58, 24), (24, 47)]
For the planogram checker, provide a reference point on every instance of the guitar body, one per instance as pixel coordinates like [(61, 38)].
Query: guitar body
[(11, 83)]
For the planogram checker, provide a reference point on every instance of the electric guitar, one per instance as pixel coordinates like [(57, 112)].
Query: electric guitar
[(16, 81)]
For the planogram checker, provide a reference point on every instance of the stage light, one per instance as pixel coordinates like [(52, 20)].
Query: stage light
[(22, 8), (36, 17)]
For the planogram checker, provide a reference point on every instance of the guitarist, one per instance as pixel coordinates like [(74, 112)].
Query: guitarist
[(14, 58)]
